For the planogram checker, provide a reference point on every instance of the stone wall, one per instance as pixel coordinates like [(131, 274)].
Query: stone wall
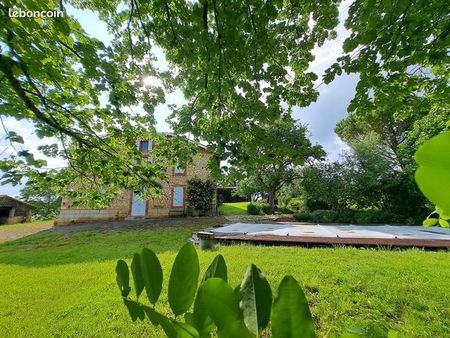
[(120, 209), (157, 207), (162, 206)]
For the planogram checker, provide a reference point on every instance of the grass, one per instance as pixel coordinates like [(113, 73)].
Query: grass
[(230, 209), (63, 283)]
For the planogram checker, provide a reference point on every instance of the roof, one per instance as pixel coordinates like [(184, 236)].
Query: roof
[(7, 197)]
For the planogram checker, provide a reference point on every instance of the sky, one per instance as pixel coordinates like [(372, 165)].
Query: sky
[(320, 117)]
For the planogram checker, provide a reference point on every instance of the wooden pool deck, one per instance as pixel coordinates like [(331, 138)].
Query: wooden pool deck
[(333, 235)]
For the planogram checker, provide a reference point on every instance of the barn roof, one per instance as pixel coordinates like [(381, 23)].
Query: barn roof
[(4, 198)]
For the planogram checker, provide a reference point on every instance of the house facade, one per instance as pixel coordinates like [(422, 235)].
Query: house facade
[(171, 203)]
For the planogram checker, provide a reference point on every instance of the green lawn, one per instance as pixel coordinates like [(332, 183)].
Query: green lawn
[(63, 284), (237, 208)]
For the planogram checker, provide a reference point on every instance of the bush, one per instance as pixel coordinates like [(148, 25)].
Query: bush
[(200, 194), (253, 209), (295, 204), (346, 216), (303, 217), (188, 211), (285, 210), (373, 216), (324, 216), (366, 217), (313, 205), (265, 207)]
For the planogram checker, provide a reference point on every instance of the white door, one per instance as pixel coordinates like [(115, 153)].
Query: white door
[(137, 206), (178, 197)]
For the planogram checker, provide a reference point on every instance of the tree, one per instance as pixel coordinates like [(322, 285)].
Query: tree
[(272, 155), (45, 200), (363, 178), (325, 186), (400, 51), (53, 75), (236, 63)]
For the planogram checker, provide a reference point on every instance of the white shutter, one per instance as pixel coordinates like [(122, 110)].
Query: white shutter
[(178, 197), (137, 206)]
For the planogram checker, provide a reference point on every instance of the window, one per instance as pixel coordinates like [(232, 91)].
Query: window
[(145, 146), (179, 170), (178, 197)]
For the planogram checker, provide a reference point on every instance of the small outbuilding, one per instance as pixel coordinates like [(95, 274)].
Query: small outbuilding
[(14, 211)]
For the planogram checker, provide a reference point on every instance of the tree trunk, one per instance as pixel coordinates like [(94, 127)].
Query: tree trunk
[(272, 201)]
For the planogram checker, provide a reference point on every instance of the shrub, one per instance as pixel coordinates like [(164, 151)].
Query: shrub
[(345, 216), (253, 209), (303, 217), (285, 210), (324, 216), (242, 311), (379, 217), (188, 211), (366, 217), (265, 207), (295, 204), (313, 205), (200, 194)]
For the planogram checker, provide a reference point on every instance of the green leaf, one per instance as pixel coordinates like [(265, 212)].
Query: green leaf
[(256, 300), (237, 300), (219, 301), (443, 223), (152, 315), (290, 313), (14, 137), (183, 279), (217, 268), (152, 274), (137, 274), (123, 277), (171, 328), (429, 222), (158, 319), (433, 173), (185, 331), (200, 318), (235, 329), (134, 309)]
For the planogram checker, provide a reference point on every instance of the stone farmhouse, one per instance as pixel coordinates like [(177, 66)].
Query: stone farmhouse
[(171, 203)]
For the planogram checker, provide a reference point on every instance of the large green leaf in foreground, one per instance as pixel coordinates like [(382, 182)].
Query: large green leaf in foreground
[(433, 174), (152, 274), (183, 279), (290, 312), (256, 300)]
